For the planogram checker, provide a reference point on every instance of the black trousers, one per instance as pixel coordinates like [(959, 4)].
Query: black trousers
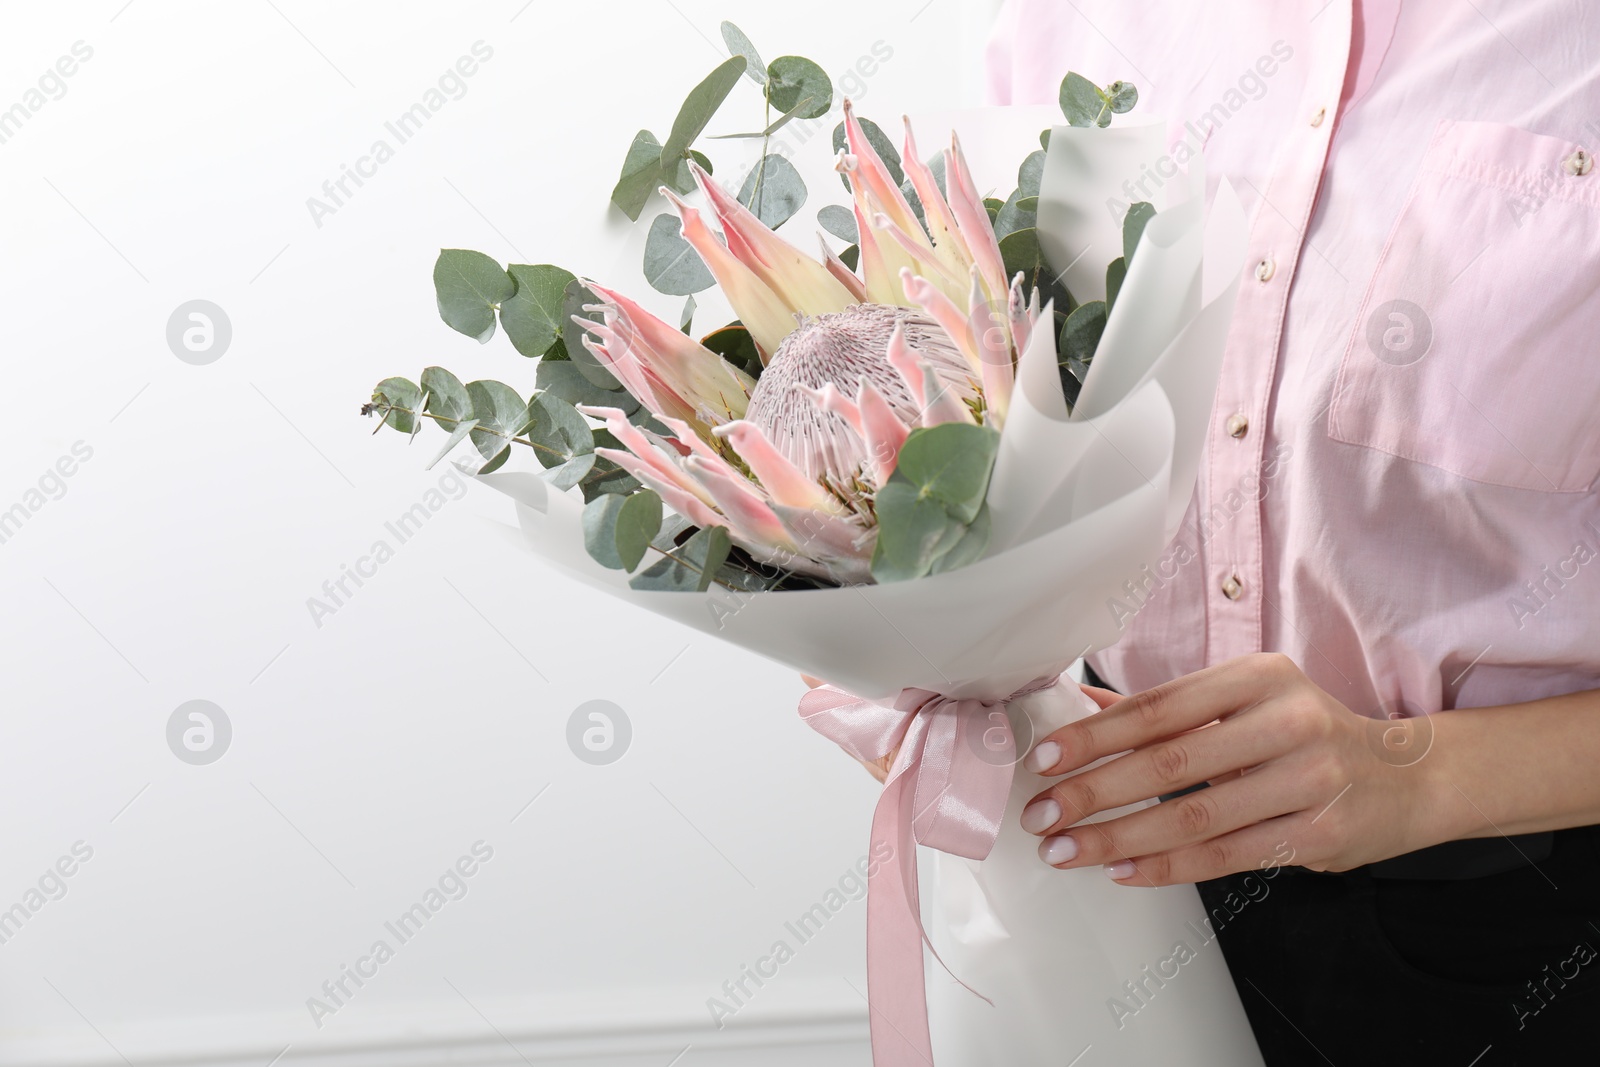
[(1367, 969), (1352, 969)]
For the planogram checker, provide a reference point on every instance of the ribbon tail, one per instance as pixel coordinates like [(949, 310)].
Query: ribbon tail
[(896, 983)]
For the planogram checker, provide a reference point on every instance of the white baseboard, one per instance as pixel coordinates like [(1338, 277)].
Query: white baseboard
[(503, 1035)]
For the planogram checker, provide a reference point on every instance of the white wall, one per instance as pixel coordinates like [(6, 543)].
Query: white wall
[(370, 752)]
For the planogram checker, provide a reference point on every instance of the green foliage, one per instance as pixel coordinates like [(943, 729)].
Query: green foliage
[(931, 513), (401, 397), (470, 288), (734, 344), (839, 221), (651, 163), (671, 265), (697, 109), (739, 45), (1133, 224), (617, 530), (641, 175), (1086, 104), (690, 567), (797, 84), (532, 316), (773, 190)]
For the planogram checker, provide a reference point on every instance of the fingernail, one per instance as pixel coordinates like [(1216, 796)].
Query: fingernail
[(1043, 757), (1119, 870), (1041, 815), (1059, 849)]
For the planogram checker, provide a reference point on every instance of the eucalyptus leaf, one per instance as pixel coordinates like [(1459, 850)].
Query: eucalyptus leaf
[(564, 380), (501, 413), (969, 548), (839, 221), (735, 345), (698, 107), (694, 568), (398, 393), (911, 528), (1029, 204), (793, 79), (1123, 96), (617, 529), (1030, 173), (1011, 218), (607, 477), (1133, 224), (686, 316), (447, 397), (773, 190), (470, 287), (1116, 271), (1081, 333), (557, 426), (532, 317), (457, 432), (1082, 102), (570, 473), (739, 45), (950, 463), (642, 173), (1019, 250), (671, 265)]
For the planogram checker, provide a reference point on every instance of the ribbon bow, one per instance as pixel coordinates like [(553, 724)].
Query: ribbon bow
[(947, 789)]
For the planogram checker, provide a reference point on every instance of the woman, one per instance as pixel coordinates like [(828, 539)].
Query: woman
[(1397, 517)]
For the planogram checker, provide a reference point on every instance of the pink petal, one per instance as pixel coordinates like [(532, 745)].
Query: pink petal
[(885, 433), (747, 512), (679, 500), (847, 277), (943, 311), (782, 480), (976, 228)]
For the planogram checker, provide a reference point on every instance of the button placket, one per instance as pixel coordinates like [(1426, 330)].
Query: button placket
[(1234, 624)]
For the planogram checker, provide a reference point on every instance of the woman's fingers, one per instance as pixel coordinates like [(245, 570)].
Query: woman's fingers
[(1257, 847), (1176, 824), (1213, 752), (1165, 711)]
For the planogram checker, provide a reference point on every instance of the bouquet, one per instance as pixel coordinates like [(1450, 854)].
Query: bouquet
[(922, 466)]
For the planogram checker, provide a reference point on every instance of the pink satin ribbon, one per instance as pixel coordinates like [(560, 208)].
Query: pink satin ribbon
[(947, 789)]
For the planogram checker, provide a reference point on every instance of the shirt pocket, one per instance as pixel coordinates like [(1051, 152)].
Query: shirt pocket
[(1476, 349)]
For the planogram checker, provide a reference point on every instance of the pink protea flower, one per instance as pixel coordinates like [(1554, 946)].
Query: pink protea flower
[(927, 333)]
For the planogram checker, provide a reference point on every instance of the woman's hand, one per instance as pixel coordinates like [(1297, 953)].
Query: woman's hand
[(1294, 775)]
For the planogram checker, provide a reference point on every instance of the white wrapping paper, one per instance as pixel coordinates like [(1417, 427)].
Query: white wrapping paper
[(1079, 505)]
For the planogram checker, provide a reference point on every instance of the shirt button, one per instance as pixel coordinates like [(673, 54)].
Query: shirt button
[(1231, 587), (1579, 163), (1322, 113), (1266, 269), (1237, 425)]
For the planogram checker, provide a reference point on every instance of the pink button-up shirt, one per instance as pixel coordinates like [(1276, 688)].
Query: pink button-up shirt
[(1399, 490)]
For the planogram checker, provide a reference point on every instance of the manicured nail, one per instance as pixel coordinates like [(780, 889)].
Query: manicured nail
[(1041, 815), (1119, 870), (1043, 757), (1059, 849)]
